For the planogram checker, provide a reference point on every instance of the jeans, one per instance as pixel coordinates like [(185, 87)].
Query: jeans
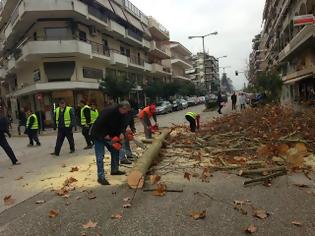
[(126, 150), (100, 152), (147, 131)]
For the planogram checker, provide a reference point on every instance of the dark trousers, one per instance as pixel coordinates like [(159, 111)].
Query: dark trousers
[(33, 136), (86, 134), (147, 131), (192, 123), (242, 106), (62, 134), (6, 147), (220, 108), (233, 106)]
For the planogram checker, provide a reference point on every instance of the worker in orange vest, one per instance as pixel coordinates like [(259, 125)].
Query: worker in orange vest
[(145, 116)]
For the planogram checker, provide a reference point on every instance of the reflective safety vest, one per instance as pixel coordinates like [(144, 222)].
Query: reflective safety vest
[(192, 114), (35, 124), (94, 115), (83, 118), (66, 116), (145, 110)]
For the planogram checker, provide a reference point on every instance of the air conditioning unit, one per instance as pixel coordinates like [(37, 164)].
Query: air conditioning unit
[(93, 31)]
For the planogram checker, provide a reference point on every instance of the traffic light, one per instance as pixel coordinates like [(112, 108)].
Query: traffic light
[(236, 73)]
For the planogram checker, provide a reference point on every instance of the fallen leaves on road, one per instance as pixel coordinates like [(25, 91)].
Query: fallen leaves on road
[(297, 223), (74, 169), (91, 196), (117, 216), (251, 229), (8, 200), (69, 181), (126, 199), (53, 213), (154, 179), (261, 214), (187, 176), (198, 215), (40, 202), (19, 178), (160, 190), (64, 166), (89, 225)]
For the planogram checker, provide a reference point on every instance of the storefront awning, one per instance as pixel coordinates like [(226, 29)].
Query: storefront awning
[(53, 86), (292, 81)]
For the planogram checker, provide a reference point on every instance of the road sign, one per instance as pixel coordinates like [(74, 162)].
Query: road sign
[(303, 20)]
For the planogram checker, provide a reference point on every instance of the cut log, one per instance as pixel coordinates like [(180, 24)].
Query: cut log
[(263, 170), (265, 178), (137, 174)]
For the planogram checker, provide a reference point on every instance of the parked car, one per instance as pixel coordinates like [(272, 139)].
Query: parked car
[(201, 100), (184, 103), (177, 105), (163, 107), (192, 101)]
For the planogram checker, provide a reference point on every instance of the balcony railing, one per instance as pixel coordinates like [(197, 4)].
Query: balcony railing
[(99, 49), (97, 13), (136, 60)]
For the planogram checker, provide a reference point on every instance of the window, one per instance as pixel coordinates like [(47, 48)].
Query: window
[(57, 34), (92, 73), (125, 51), (59, 71), (82, 36)]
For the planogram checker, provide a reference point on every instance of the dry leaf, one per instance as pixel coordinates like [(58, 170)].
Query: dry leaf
[(187, 176), (53, 213), (251, 229), (40, 202), (127, 205), (160, 190), (63, 166), (301, 147), (154, 179), (91, 196), (19, 178), (117, 216), (74, 169), (8, 200), (261, 213), (69, 181), (89, 225), (78, 198), (282, 149), (297, 223), (127, 199), (198, 215)]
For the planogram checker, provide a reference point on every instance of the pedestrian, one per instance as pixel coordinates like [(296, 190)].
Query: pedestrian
[(85, 117), (234, 101), (145, 115), (220, 102), (126, 155), (107, 131), (194, 120), (22, 120), (4, 129), (32, 126), (242, 101), (64, 120)]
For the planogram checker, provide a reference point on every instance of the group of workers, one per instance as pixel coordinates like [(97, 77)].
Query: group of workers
[(113, 128)]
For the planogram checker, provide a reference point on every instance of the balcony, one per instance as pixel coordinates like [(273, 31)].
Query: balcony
[(160, 70), (133, 38), (157, 30), (136, 62), (118, 59), (301, 38), (158, 51), (6, 9), (117, 29), (28, 11), (181, 63), (299, 75), (146, 44), (180, 77), (147, 67), (33, 50)]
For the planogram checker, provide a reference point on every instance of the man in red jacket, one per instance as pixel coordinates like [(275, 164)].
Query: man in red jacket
[(145, 115)]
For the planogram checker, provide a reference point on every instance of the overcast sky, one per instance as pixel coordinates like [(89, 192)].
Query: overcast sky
[(237, 22)]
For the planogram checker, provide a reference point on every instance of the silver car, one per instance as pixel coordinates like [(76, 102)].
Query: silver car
[(163, 107)]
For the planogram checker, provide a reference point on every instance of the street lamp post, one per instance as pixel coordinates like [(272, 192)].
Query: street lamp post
[(204, 52)]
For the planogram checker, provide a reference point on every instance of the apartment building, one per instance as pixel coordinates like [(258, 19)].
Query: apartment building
[(205, 72), (180, 61), (288, 43), (52, 49)]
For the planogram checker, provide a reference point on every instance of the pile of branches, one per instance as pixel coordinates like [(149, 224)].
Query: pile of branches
[(259, 138)]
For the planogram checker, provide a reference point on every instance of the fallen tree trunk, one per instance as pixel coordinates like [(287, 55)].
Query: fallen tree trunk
[(137, 174)]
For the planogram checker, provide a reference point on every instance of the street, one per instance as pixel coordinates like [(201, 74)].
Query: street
[(40, 171), (31, 183)]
